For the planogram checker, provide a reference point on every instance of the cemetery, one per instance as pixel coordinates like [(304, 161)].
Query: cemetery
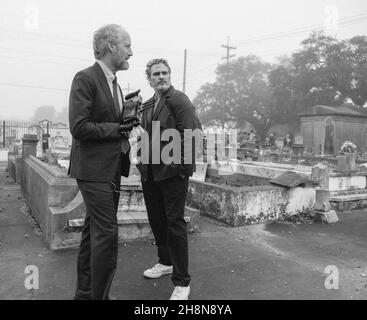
[(262, 184)]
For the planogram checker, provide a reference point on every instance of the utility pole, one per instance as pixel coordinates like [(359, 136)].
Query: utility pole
[(228, 48), (227, 57), (127, 88), (184, 73)]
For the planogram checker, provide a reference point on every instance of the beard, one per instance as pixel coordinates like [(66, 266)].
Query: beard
[(123, 65)]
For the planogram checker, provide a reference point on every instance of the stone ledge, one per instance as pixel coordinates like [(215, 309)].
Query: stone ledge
[(348, 192), (350, 197)]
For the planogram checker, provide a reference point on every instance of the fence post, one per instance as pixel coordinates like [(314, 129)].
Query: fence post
[(4, 133)]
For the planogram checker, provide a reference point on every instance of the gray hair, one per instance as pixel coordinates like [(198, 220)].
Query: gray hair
[(108, 34), (152, 62)]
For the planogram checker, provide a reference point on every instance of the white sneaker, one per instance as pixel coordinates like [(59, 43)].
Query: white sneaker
[(180, 293), (157, 271)]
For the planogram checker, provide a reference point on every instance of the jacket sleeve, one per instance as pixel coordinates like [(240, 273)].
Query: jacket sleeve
[(184, 112), (81, 103)]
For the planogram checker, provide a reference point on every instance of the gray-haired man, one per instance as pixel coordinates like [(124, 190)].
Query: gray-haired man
[(99, 156)]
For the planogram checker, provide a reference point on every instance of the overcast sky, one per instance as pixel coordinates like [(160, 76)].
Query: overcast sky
[(44, 43)]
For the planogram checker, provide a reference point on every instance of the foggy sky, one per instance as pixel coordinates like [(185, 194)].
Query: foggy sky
[(47, 51)]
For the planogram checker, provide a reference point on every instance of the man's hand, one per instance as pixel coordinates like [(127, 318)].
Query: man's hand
[(129, 126), (132, 103)]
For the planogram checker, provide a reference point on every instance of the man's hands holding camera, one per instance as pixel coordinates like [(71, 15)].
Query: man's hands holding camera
[(129, 124), (131, 105)]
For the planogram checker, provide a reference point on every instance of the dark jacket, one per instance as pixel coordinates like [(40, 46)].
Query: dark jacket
[(174, 111), (94, 125)]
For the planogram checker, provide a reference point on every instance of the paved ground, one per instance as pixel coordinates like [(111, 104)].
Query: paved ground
[(266, 261)]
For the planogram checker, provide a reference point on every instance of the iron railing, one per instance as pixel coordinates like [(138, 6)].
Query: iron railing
[(11, 132)]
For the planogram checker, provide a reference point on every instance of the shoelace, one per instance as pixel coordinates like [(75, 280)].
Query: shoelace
[(178, 290)]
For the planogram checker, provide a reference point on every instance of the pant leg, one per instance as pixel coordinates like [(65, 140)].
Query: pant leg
[(83, 286), (100, 201), (157, 218), (174, 192)]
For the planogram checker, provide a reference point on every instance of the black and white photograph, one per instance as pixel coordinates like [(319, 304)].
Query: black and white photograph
[(201, 151)]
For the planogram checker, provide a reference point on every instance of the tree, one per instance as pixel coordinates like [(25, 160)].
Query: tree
[(44, 113), (63, 116), (240, 94), (324, 71), (49, 113)]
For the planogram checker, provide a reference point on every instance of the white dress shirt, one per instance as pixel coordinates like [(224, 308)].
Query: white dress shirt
[(110, 77)]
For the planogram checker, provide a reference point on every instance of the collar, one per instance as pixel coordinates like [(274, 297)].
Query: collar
[(107, 71)]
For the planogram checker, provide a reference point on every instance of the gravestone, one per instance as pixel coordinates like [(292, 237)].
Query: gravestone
[(298, 139), (279, 143), (320, 173), (346, 163), (322, 200)]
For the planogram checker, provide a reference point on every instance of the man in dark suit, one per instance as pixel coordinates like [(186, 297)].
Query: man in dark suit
[(165, 182), (99, 156)]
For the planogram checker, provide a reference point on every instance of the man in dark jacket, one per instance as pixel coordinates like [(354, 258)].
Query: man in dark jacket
[(99, 156), (165, 182)]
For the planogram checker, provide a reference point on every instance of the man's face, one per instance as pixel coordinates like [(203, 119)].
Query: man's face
[(160, 78), (121, 52)]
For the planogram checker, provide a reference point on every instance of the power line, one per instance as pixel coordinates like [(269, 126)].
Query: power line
[(38, 61), (46, 36), (30, 86), (273, 36), (43, 54)]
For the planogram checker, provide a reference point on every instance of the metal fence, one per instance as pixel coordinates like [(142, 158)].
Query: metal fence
[(12, 131)]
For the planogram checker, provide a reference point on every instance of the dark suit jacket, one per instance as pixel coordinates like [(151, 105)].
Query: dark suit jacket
[(94, 125), (174, 111)]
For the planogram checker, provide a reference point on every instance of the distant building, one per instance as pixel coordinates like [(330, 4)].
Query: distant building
[(325, 128)]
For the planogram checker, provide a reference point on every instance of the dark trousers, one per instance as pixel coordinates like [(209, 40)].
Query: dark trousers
[(97, 258), (165, 203)]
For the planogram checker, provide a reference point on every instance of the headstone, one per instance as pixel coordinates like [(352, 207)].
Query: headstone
[(29, 142), (320, 173), (342, 164), (322, 200), (279, 143), (298, 139)]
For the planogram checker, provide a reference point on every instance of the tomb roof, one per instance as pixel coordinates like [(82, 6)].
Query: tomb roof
[(344, 110)]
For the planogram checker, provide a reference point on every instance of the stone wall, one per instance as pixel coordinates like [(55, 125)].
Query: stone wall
[(248, 205), (46, 189)]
